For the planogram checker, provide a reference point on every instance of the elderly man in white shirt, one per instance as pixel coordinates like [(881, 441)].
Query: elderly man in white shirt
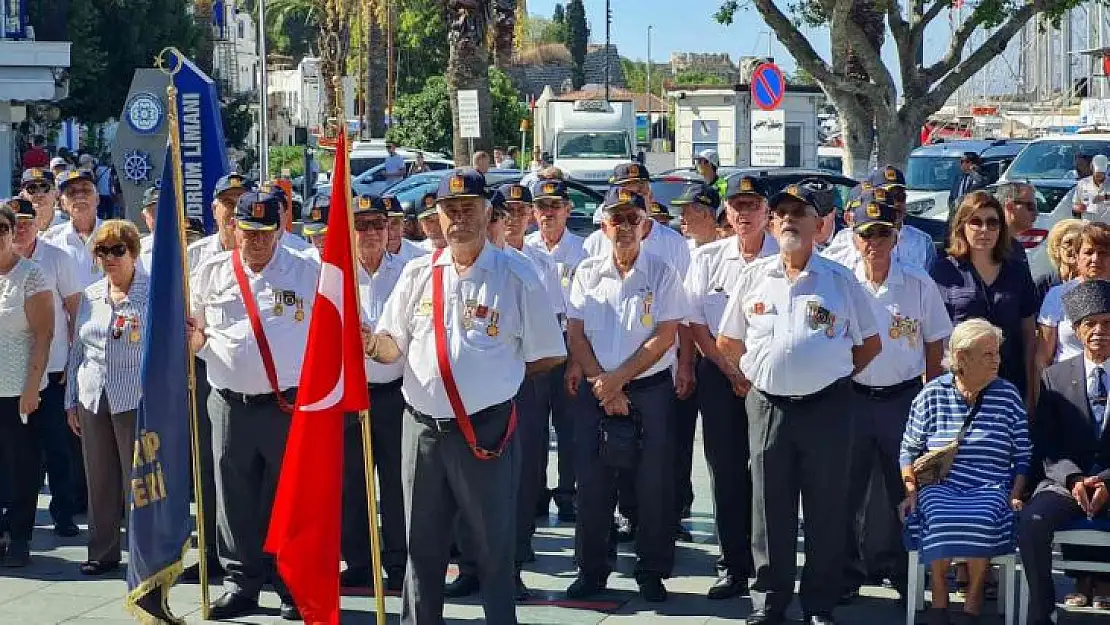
[(1092, 194)]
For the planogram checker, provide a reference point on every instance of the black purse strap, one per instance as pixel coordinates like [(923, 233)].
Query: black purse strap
[(971, 414)]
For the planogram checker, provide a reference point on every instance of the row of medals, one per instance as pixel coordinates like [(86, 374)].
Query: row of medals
[(279, 307)]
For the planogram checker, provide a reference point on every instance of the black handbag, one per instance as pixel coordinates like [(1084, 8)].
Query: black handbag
[(620, 439)]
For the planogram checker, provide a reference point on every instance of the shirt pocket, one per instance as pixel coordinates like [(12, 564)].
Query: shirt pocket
[(964, 301), (223, 311), (761, 314), (713, 307)]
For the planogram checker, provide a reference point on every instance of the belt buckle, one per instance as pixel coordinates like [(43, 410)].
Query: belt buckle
[(485, 454), (441, 424)]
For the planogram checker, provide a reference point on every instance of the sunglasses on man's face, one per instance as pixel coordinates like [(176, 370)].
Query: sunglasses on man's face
[(362, 225), (37, 187), (876, 232), (990, 223), (118, 250), (631, 219)]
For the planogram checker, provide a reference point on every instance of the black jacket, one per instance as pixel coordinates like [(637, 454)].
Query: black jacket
[(975, 181), (1064, 437)]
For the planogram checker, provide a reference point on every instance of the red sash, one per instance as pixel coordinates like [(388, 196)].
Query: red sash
[(259, 333), (463, 419)]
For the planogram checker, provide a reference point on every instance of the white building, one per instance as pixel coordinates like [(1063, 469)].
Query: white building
[(235, 53), (297, 101)]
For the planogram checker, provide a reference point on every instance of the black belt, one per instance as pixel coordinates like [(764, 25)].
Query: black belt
[(814, 396), (256, 400), (650, 381), (56, 377), (387, 386), (886, 392), (450, 424)]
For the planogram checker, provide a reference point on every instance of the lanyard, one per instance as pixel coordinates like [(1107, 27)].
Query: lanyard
[(259, 333)]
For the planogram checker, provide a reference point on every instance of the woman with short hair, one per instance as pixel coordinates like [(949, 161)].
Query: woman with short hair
[(1057, 336), (968, 513), (103, 391)]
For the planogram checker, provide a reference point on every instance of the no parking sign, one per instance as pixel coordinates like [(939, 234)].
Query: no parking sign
[(768, 87)]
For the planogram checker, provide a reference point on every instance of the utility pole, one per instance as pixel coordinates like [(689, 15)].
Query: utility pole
[(608, 21), (649, 100), (263, 97)]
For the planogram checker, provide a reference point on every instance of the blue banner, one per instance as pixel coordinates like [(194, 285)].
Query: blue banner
[(203, 151), (160, 524)]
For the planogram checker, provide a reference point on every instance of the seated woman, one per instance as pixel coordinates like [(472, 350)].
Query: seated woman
[(968, 514), (1070, 437)]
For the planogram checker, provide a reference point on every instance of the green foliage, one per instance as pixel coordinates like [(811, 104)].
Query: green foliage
[(292, 158), (421, 44), (801, 77), (559, 15), (237, 119), (424, 118), (695, 77), (539, 31), (635, 75), (578, 36)]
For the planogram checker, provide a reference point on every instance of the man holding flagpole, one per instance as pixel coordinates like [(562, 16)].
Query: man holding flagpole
[(251, 309), (469, 325)]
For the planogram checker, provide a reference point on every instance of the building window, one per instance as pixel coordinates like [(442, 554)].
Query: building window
[(242, 29), (793, 145)]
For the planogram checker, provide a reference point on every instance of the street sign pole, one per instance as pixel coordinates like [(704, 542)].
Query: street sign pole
[(470, 126)]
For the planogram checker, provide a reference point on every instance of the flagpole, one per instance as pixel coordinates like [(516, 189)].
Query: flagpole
[(364, 415), (190, 365)]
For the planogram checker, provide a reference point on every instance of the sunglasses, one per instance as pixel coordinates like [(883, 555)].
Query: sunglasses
[(37, 187), (632, 220), (876, 232), (990, 223), (362, 225), (794, 212), (118, 250)]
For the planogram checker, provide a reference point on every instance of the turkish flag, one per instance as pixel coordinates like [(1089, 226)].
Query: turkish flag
[(305, 522)]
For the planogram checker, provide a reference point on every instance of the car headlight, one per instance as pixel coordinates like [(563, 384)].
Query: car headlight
[(917, 207)]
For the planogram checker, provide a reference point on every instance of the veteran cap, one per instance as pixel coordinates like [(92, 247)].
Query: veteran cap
[(629, 172), (1089, 297), (370, 204), (886, 177), (465, 182), (744, 185), (393, 206), (549, 190), (427, 206), (66, 177), (617, 197), (700, 193), (258, 211), (316, 217), (36, 175), (22, 207), (514, 192), (232, 181), (799, 192), (499, 207), (873, 207)]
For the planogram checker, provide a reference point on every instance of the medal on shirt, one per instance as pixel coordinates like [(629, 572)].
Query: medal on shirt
[(279, 308), (492, 329), (117, 326), (566, 272), (646, 319), (299, 315), (134, 335), (468, 314), (818, 316)]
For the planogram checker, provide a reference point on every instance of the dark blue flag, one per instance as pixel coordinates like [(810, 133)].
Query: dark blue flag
[(160, 525)]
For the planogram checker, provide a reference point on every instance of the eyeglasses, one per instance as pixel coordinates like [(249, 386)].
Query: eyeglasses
[(37, 187), (362, 225), (794, 212), (118, 250), (879, 232), (990, 223), (632, 220)]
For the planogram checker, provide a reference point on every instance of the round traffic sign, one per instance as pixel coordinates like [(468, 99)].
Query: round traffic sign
[(768, 86)]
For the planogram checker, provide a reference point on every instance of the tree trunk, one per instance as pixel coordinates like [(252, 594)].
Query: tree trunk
[(858, 133), (504, 28), (468, 68), (376, 89), (896, 137)]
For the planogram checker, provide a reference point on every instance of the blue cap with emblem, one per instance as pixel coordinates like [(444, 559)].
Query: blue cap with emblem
[(700, 193), (258, 211), (465, 182), (427, 206), (316, 220), (799, 193), (549, 190), (886, 177), (23, 208), (514, 192), (369, 204), (873, 208), (36, 175), (393, 206), (498, 205), (629, 172), (744, 185), (616, 197), (73, 175), (232, 181)]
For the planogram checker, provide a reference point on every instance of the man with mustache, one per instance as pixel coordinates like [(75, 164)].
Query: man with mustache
[(800, 326)]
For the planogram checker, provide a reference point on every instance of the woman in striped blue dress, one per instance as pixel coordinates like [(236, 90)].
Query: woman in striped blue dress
[(968, 514)]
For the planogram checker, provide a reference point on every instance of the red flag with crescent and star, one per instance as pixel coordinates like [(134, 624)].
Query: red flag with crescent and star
[(305, 522)]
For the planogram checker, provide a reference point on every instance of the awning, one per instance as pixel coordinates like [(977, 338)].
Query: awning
[(26, 84)]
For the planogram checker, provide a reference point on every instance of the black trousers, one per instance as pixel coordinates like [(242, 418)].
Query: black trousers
[(59, 460), (653, 398), (562, 418), (724, 422), (19, 468), (685, 426), (878, 427), (799, 448), (386, 421)]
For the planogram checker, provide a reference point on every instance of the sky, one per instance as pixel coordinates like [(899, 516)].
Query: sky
[(688, 26)]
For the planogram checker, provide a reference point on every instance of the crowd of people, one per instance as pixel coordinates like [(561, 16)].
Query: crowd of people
[(814, 360)]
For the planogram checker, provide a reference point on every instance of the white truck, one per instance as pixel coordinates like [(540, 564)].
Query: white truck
[(586, 138)]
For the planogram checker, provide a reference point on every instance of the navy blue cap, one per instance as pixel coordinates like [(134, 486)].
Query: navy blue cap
[(549, 190), (617, 197), (268, 187), (886, 177), (36, 174), (516, 193), (873, 208), (369, 204), (700, 193), (393, 206), (427, 206), (464, 182), (498, 204), (22, 207), (316, 219), (655, 209), (854, 195), (258, 211), (71, 175), (233, 181), (744, 185), (799, 192), (628, 172)]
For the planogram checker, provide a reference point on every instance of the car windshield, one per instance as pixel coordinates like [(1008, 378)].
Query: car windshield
[(592, 145), (1043, 160), (360, 164), (1049, 196), (932, 173)]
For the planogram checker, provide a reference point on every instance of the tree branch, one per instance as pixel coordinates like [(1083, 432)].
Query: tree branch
[(899, 29), (873, 62), (955, 53), (917, 29)]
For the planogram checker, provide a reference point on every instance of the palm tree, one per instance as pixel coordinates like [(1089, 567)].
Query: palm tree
[(468, 27), (505, 17)]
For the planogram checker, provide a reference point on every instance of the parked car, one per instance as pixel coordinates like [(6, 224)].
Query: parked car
[(373, 180), (830, 158), (932, 171), (1053, 157), (371, 153)]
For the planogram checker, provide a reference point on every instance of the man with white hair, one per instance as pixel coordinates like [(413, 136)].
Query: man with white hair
[(1092, 194)]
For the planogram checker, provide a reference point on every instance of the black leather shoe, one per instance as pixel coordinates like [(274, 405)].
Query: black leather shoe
[(231, 605), (357, 577), (567, 513), (820, 619), (91, 567), (521, 590), (763, 617), (584, 587), (191, 574), (394, 581), (66, 528), (652, 589), (463, 586), (289, 611), (849, 595), (727, 586), (17, 555)]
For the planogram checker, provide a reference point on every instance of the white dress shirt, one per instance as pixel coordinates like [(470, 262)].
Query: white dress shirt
[(715, 269), (567, 254), (910, 312), (202, 249), (146, 252), (59, 267), (1096, 197), (661, 241), (107, 350), (296, 243), (65, 237), (619, 314), (1052, 315), (373, 292), (548, 275), (798, 335), (409, 250), (24, 280), (498, 318), (914, 248), (284, 287)]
